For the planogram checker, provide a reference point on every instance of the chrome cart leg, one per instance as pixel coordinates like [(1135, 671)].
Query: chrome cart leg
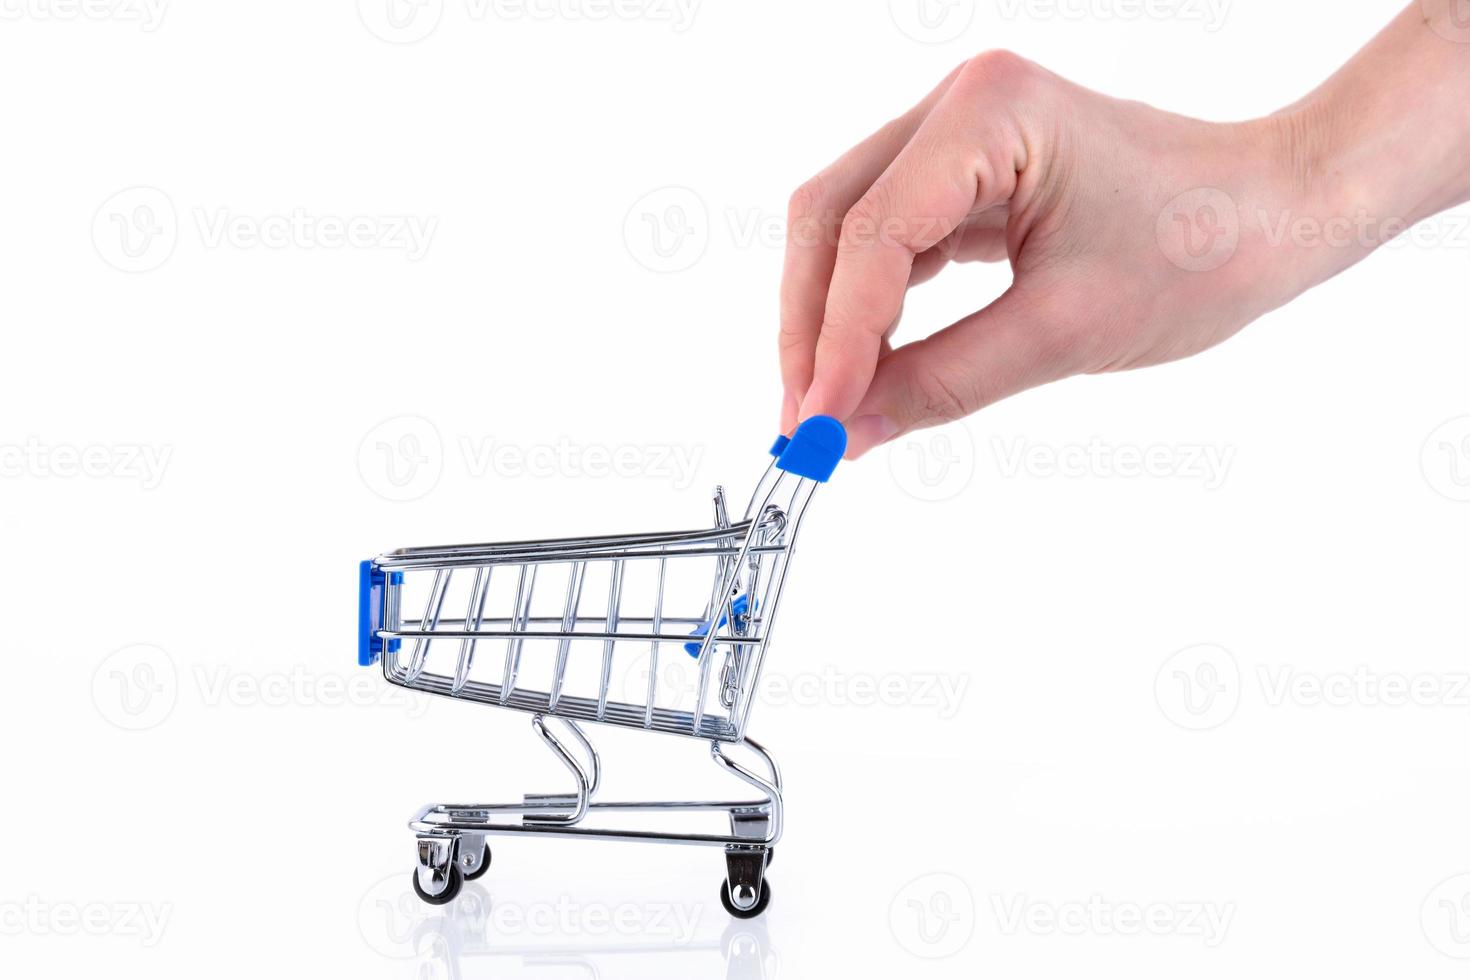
[(437, 879), (746, 893), (565, 808), (474, 856)]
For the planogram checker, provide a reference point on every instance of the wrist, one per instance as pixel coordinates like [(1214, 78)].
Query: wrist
[(1388, 136)]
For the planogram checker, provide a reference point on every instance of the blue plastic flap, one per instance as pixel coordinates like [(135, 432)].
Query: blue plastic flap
[(371, 586), (815, 449), (780, 447), (738, 606)]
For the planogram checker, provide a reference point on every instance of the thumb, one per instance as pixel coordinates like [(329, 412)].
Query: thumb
[(1013, 344)]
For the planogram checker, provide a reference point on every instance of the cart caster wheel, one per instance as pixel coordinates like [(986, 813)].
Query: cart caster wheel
[(754, 910), (483, 867), (451, 888)]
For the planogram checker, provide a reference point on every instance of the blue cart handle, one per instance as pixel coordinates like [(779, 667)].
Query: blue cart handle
[(814, 450)]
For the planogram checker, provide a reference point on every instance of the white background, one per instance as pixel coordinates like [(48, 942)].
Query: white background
[(187, 735)]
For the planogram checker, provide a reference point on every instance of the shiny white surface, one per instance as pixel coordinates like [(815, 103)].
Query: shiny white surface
[(1012, 795)]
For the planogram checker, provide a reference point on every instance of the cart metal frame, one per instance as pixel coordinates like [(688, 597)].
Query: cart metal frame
[(750, 558)]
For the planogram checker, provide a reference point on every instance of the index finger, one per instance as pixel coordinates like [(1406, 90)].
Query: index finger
[(811, 245), (960, 159)]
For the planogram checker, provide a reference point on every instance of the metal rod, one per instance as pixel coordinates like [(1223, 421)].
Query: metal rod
[(521, 608), (476, 609), (568, 628), (614, 600), (431, 616), (658, 609)]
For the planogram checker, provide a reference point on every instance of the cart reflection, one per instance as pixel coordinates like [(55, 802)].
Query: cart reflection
[(460, 940)]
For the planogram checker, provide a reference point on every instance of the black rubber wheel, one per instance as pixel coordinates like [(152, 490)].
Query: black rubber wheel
[(484, 867), (447, 895), (750, 913)]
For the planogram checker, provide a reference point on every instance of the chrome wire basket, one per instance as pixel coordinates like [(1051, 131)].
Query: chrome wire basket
[(546, 626)]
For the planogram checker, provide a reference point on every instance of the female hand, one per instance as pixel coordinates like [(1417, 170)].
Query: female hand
[(1135, 236)]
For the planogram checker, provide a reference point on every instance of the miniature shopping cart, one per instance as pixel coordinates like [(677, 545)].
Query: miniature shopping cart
[(554, 628)]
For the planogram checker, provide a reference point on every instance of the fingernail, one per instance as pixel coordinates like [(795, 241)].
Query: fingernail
[(867, 431), (789, 406)]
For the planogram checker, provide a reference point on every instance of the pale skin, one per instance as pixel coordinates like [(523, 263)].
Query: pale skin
[(1106, 210)]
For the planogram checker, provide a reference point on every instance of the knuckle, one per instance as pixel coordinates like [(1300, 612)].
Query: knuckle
[(998, 71), (996, 63), (791, 338), (807, 200), (943, 395), (809, 215), (861, 224)]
